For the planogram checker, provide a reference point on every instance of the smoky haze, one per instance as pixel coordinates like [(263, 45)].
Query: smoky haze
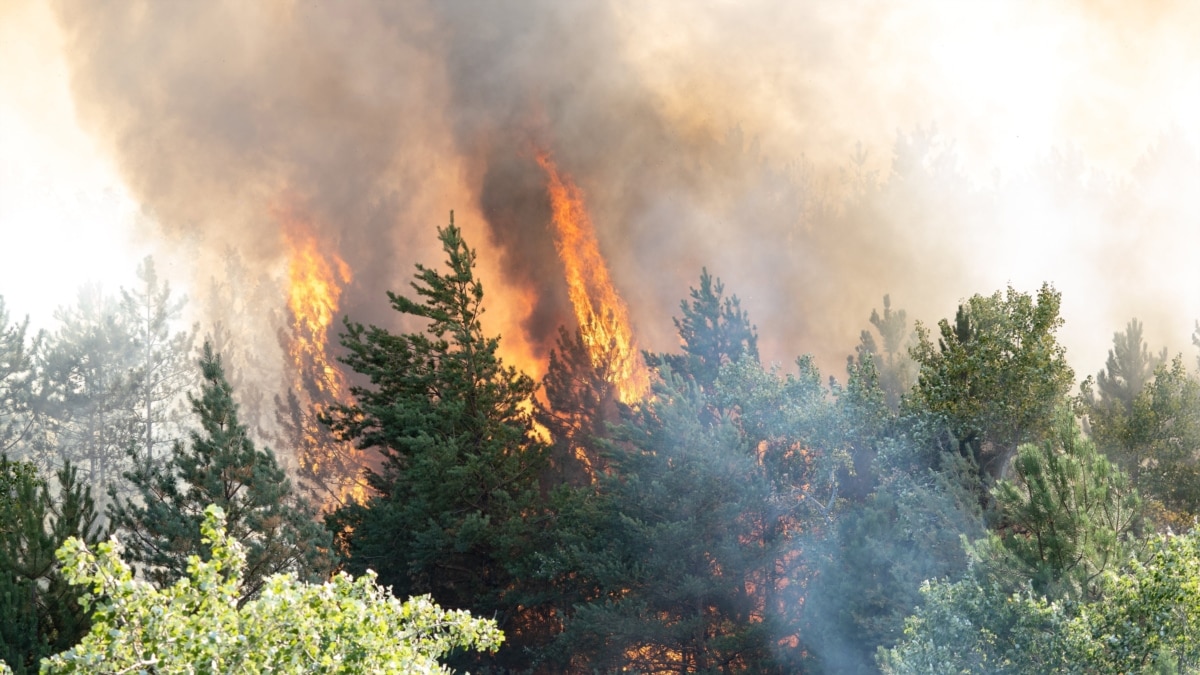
[(814, 155)]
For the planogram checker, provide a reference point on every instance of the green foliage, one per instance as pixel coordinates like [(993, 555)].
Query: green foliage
[(1065, 516), (196, 624), (1129, 368), (1148, 619), (220, 465), (997, 375), (1158, 440), (968, 627), (1167, 419), (457, 505), (868, 421), (896, 368), (715, 331), (703, 483), (716, 492), (792, 426), (112, 375), (40, 609), (686, 501), (1145, 619), (1116, 404)]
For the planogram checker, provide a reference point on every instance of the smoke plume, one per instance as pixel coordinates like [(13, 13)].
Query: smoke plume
[(814, 155)]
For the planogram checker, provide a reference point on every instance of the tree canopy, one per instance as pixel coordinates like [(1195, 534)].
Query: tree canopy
[(196, 624), (220, 465), (456, 509), (997, 374)]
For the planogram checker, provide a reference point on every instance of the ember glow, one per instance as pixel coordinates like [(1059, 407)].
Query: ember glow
[(602, 315)]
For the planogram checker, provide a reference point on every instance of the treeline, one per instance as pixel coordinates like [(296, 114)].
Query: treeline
[(956, 504)]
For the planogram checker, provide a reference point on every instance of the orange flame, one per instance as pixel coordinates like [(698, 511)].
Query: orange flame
[(314, 289), (602, 315), (315, 283)]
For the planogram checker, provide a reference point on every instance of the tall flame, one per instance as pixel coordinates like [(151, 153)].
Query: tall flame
[(315, 284), (314, 290), (601, 313)]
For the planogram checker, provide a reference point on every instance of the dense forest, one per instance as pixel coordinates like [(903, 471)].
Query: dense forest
[(956, 502)]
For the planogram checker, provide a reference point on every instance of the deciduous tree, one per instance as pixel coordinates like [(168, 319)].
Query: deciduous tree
[(996, 375), (196, 624)]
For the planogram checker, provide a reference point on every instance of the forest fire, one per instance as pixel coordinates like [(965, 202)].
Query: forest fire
[(315, 283), (314, 289), (602, 315)]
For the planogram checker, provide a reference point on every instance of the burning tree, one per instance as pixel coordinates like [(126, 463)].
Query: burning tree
[(683, 553), (328, 467), (581, 400), (601, 313)]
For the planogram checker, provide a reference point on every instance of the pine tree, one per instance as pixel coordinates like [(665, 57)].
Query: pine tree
[(895, 368), (1161, 443), (1065, 516), (715, 331), (1129, 368), (681, 549), (581, 402), (40, 609), (1114, 402), (457, 503), (234, 295), (16, 382), (160, 361), (160, 525), (87, 390), (685, 556)]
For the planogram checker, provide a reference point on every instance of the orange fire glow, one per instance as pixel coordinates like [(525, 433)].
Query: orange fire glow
[(314, 289), (602, 315), (315, 283)]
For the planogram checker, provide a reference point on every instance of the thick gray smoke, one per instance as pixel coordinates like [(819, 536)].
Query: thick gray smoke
[(724, 135)]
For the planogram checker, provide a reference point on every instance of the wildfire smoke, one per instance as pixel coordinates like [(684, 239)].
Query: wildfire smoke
[(707, 132)]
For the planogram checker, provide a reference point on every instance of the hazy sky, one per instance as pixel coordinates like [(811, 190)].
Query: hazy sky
[(131, 126), (65, 215)]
